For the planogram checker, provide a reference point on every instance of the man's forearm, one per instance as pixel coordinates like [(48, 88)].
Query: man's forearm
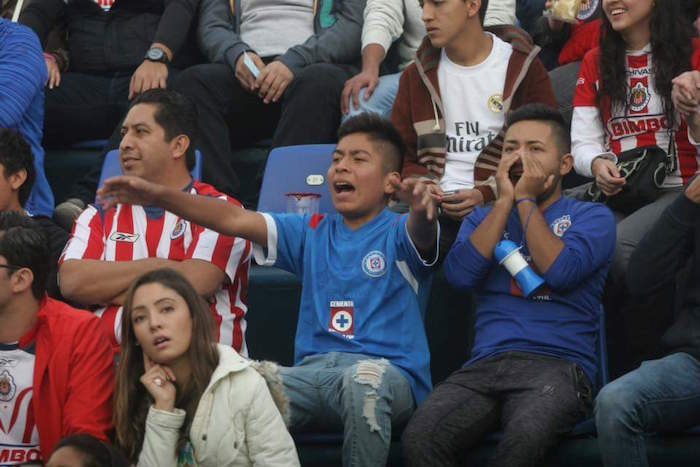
[(490, 231), (96, 282), (215, 214), (372, 58), (544, 246)]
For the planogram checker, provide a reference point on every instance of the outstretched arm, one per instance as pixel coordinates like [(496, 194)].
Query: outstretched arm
[(422, 222), (214, 214)]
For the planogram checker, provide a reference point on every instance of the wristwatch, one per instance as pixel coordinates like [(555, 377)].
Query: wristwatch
[(156, 54)]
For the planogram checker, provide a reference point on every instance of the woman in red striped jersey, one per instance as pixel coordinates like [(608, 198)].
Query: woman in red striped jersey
[(623, 101)]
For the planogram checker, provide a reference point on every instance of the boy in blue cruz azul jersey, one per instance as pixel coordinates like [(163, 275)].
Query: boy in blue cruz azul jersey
[(533, 361), (362, 359)]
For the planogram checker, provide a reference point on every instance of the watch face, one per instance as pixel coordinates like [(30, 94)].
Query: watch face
[(155, 54)]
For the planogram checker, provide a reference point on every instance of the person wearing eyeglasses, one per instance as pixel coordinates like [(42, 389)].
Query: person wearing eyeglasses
[(56, 366)]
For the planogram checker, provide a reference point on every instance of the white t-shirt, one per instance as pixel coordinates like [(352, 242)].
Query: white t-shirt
[(473, 101), (19, 439)]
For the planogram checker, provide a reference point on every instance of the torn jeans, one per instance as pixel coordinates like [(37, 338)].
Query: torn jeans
[(361, 395)]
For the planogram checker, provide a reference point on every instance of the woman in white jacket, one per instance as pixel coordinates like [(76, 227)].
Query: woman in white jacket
[(182, 400)]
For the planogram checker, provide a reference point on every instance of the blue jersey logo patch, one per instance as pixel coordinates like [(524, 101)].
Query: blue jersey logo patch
[(374, 264)]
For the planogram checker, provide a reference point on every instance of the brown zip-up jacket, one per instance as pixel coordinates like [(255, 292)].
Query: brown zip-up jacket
[(418, 112)]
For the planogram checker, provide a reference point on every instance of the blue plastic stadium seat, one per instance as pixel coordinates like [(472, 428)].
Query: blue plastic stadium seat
[(296, 169), (111, 167)]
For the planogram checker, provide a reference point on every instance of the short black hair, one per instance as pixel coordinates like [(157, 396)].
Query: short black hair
[(482, 11), (382, 133), (16, 155), (23, 244), (95, 452), (545, 114), (176, 113)]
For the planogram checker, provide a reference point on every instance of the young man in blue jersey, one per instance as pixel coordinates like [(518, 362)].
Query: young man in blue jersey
[(361, 357), (533, 363)]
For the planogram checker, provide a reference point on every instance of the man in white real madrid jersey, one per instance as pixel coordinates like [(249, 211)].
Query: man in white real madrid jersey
[(453, 100), (109, 249)]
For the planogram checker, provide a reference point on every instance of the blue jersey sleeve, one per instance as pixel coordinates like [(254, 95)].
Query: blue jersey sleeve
[(286, 238), (408, 252), (589, 244), (464, 266)]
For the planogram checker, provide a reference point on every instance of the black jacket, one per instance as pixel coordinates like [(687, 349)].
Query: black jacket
[(100, 41), (672, 246)]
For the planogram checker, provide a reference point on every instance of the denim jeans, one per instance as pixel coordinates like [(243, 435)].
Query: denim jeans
[(363, 396), (661, 395), (535, 399), (382, 99)]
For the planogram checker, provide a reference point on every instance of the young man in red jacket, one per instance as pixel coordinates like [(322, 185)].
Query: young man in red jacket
[(56, 366), (453, 100)]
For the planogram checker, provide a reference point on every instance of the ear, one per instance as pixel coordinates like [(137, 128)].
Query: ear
[(179, 146), (389, 180), (16, 180), (567, 163), (22, 280), (473, 8)]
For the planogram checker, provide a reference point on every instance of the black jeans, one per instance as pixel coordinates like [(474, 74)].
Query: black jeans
[(88, 107), (230, 117), (535, 399)]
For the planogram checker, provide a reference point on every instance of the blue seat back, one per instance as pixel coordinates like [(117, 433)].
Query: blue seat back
[(111, 167), (296, 169)]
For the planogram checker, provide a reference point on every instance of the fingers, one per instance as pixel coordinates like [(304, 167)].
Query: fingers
[(356, 96), (345, 97), (264, 76), (132, 86), (370, 88)]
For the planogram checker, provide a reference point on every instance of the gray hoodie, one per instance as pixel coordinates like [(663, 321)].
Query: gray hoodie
[(337, 38)]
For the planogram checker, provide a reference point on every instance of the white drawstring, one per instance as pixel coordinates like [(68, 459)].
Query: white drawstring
[(18, 9), (436, 127)]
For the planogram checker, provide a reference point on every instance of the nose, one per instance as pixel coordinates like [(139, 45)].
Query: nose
[(427, 12), (154, 321), (126, 142)]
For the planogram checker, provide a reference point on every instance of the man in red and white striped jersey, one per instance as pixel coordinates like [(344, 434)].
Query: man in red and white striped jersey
[(109, 249)]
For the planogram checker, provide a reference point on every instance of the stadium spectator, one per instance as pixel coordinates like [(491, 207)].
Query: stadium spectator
[(534, 358), (56, 367), (623, 102), (17, 175), (453, 100), (180, 397), (22, 79), (116, 49), (109, 249), (528, 12), (388, 22), (303, 52), (361, 356), (86, 451), (563, 43), (662, 395)]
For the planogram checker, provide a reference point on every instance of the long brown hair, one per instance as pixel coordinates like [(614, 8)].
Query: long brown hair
[(132, 400)]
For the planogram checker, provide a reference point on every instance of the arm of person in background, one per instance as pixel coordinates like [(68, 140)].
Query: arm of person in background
[(41, 17), (22, 74), (500, 12), (339, 43), (471, 256), (663, 250), (221, 43), (171, 34), (686, 98), (383, 24), (215, 214), (591, 158)]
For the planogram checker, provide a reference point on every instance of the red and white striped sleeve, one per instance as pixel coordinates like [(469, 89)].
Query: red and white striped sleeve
[(587, 132), (87, 239), (225, 252)]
